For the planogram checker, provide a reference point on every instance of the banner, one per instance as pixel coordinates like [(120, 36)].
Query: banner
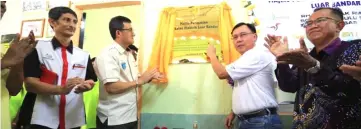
[(195, 28), (286, 18)]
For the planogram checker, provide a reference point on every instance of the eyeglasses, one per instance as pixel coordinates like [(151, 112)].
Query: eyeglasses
[(130, 29), (318, 21), (241, 35)]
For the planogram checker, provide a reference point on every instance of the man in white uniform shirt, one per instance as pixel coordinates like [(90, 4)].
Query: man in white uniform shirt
[(118, 74), (253, 98)]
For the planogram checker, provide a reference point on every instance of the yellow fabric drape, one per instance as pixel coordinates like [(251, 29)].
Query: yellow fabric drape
[(163, 44), (226, 23), (162, 49)]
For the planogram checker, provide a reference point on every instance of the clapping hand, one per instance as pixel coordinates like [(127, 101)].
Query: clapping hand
[(18, 50), (299, 57), (85, 86), (275, 45), (70, 84)]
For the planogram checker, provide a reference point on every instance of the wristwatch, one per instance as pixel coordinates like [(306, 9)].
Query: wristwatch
[(315, 68)]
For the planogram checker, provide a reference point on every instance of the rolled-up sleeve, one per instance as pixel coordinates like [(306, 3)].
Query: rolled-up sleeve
[(248, 64), (107, 67)]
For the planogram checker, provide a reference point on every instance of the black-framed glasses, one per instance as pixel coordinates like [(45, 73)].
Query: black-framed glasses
[(241, 35), (318, 21), (130, 29)]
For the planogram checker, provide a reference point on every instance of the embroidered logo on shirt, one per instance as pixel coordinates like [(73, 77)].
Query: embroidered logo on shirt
[(78, 66), (124, 65), (48, 56)]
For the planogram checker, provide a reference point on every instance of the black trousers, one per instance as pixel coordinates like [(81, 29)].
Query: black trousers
[(131, 125), (43, 127)]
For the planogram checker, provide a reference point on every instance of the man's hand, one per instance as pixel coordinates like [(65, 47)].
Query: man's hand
[(299, 57), (18, 50), (70, 84), (354, 71), (158, 75), (147, 76), (211, 51), (303, 44), (85, 86), (228, 122), (230, 81), (275, 45)]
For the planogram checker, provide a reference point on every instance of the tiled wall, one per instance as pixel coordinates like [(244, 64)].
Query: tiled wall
[(185, 121)]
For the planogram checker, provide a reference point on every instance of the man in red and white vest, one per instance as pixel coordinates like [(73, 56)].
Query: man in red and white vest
[(58, 73)]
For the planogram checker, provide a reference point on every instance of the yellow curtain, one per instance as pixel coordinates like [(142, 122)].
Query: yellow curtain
[(163, 44), (226, 23)]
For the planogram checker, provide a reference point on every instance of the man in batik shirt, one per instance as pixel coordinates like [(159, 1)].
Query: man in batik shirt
[(326, 97)]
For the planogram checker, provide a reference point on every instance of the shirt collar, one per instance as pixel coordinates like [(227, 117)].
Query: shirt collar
[(119, 48), (57, 44), (332, 46), (328, 50)]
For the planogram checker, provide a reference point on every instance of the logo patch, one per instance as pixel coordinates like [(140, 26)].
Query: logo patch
[(124, 65), (48, 56), (78, 66)]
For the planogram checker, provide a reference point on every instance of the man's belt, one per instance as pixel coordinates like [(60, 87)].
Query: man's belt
[(263, 112)]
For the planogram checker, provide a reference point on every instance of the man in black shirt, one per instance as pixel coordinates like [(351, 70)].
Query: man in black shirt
[(326, 98)]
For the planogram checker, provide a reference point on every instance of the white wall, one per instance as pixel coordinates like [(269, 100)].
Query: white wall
[(11, 22)]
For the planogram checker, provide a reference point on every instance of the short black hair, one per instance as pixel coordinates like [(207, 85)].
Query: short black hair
[(116, 23), (56, 12), (3, 9), (250, 26), (93, 59), (132, 47), (2, 5), (335, 11)]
